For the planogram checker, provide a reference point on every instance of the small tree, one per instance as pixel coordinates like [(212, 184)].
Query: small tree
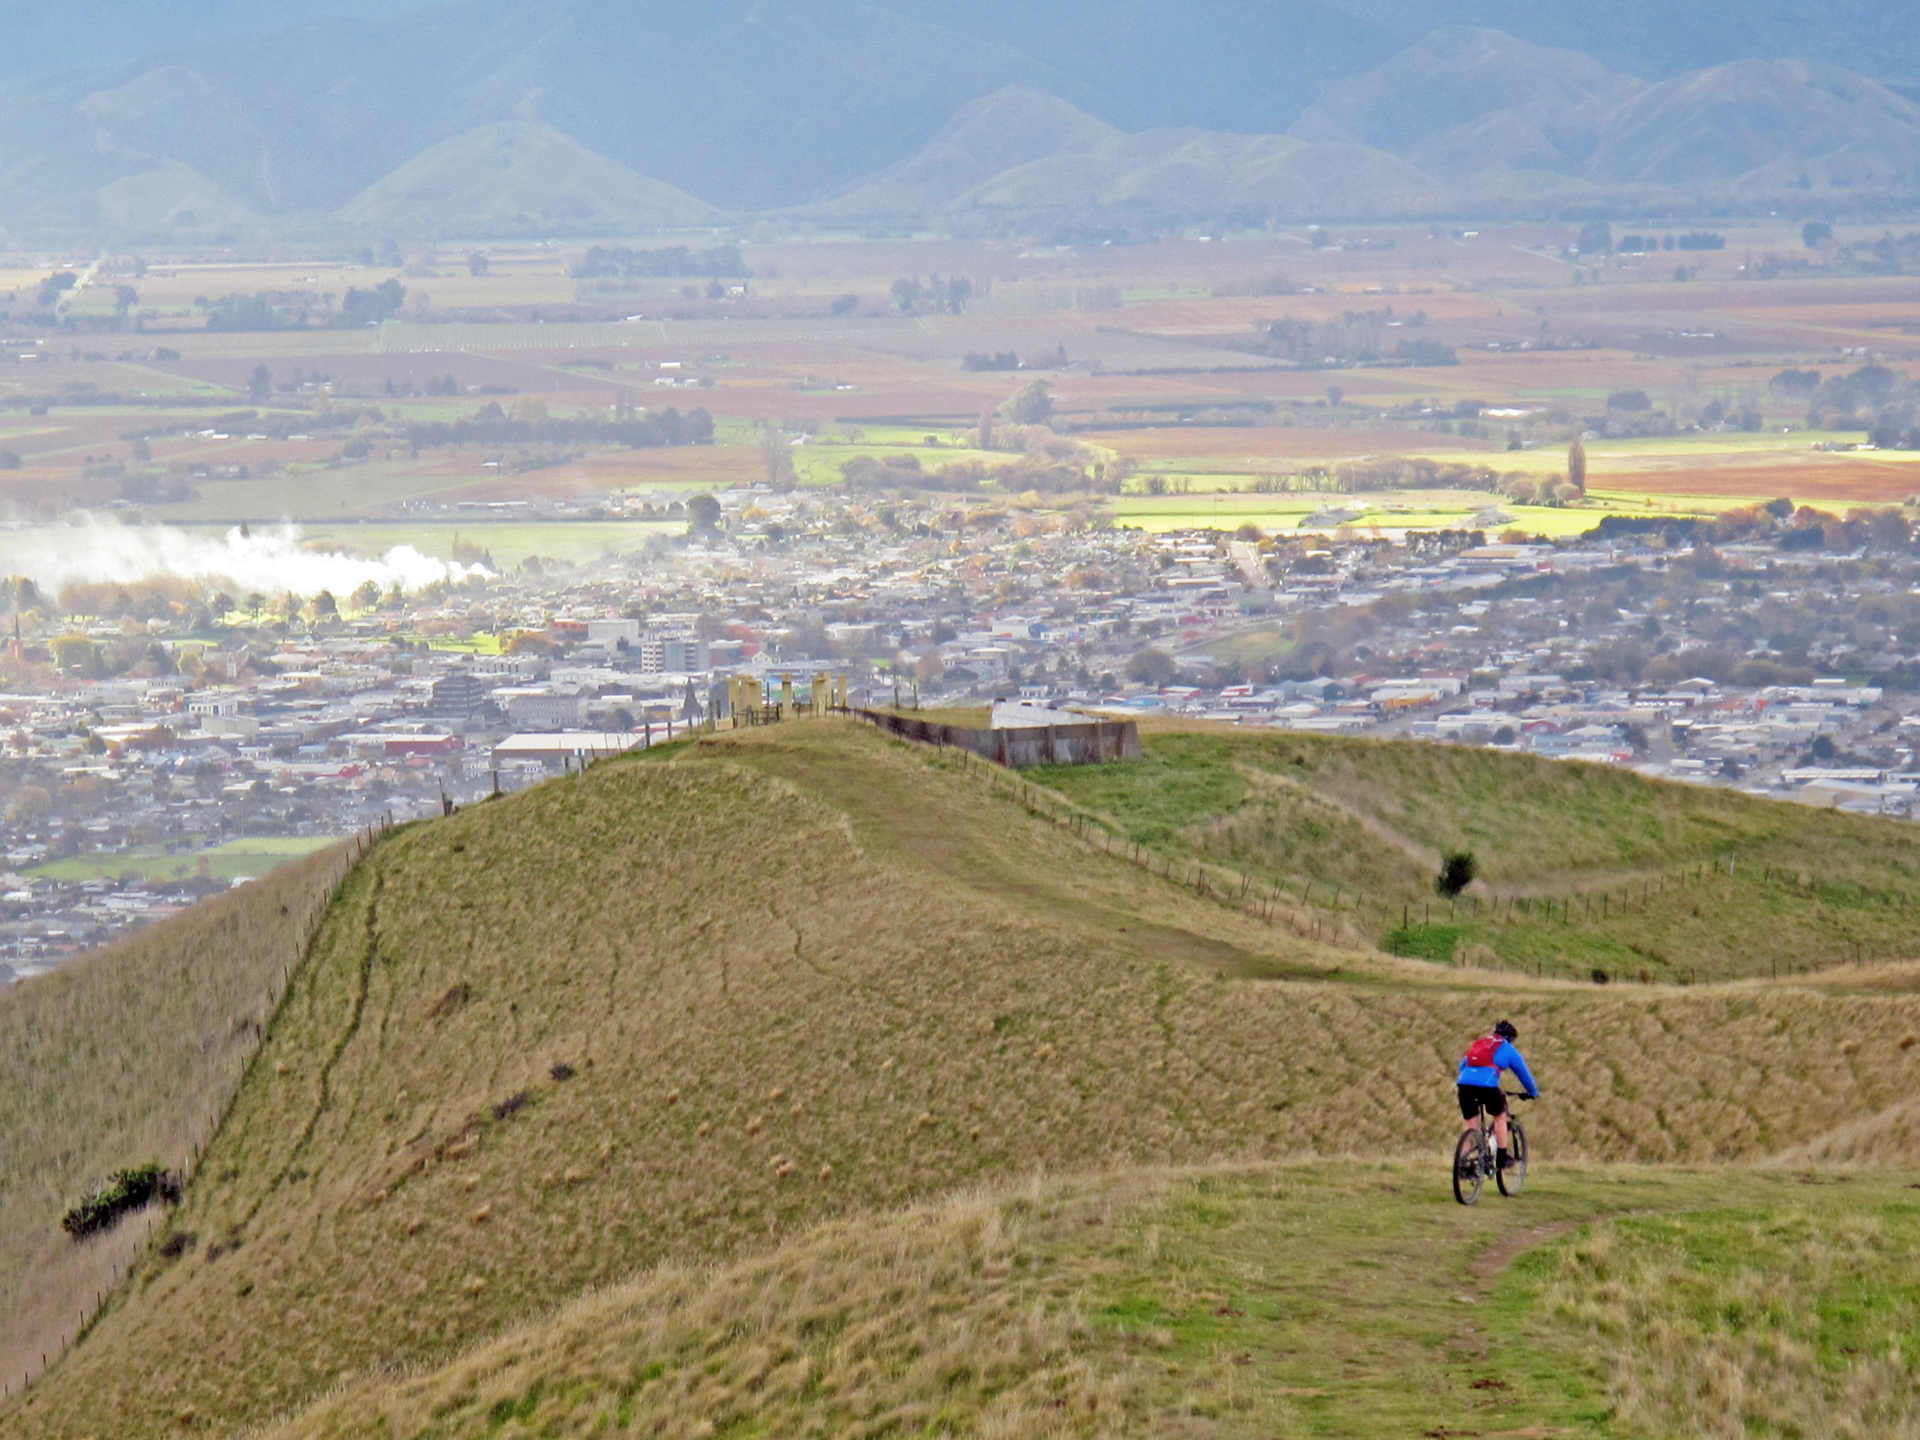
[(776, 455), (1577, 466), (260, 385), (703, 515), (1456, 873), (1032, 405), (1152, 667)]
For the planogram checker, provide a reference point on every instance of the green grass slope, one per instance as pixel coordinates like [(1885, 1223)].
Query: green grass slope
[(518, 173), (684, 1007), (125, 1056), (1583, 867), (1266, 1301)]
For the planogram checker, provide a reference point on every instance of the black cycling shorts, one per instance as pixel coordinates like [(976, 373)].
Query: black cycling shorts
[(1475, 1098)]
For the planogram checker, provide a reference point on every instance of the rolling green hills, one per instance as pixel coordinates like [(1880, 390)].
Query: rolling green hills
[(748, 1002), (1583, 868), (516, 173)]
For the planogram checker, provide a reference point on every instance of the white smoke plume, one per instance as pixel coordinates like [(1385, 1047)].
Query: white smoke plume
[(272, 562)]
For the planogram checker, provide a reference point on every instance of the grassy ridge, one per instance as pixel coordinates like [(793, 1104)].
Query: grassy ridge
[(125, 1056), (1583, 867), (1293, 1302), (783, 997)]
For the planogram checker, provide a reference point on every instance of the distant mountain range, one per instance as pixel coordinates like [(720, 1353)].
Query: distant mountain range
[(580, 116)]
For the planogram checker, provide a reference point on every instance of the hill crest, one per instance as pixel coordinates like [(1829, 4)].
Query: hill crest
[(520, 174), (486, 1091)]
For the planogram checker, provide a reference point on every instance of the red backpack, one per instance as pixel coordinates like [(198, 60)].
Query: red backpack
[(1481, 1052)]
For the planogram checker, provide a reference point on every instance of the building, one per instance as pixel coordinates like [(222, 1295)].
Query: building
[(614, 634), (542, 709), (214, 702), (459, 695), (566, 745), (681, 654)]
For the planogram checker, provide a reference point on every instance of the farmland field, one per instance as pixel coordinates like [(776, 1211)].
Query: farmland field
[(1154, 356)]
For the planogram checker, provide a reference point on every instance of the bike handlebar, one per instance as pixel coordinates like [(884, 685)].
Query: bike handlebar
[(1518, 1095)]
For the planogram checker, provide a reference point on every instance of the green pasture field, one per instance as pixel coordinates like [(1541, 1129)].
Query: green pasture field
[(250, 857), (1389, 510), (319, 493), (1616, 874), (819, 464), (508, 541)]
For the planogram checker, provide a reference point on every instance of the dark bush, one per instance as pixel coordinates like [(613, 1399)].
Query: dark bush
[(561, 1070), (125, 1191), (514, 1102), (1456, 873)]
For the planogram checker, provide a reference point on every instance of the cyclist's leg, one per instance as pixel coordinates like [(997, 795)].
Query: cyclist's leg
[(1500, 1130)]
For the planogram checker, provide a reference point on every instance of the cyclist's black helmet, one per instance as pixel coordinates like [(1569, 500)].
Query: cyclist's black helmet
[(1506, 1031)]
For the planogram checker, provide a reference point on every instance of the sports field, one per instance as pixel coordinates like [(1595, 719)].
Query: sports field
[(231, 860)]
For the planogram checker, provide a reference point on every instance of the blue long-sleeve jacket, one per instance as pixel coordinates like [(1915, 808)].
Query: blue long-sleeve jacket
[(1505, 1058)]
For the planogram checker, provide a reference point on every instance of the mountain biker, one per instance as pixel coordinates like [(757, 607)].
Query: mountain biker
[(1479, 1081)]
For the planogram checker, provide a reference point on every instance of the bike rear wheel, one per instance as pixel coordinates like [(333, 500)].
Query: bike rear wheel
[(1469, 1166), (1515, 1175)]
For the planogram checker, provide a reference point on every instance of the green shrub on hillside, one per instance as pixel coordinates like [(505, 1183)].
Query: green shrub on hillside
[(124, 1192)]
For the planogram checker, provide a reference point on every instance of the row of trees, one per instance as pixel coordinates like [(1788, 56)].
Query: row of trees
[(1354, 337), (269, 310), (490, 425), (719, 262), (932, 295)]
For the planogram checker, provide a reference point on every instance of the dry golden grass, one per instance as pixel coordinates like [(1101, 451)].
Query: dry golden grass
[(785, 996), (944, 1319), (127, 1055)]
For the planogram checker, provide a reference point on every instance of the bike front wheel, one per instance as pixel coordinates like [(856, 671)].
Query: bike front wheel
[(1515, 1175), (1469, 1167)]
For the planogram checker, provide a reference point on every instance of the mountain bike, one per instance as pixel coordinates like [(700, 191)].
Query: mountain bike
[(1475, 1157)]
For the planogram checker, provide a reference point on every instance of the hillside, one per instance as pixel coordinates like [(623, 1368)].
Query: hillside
[(685, 1007), (1581, 867), (991, 135), (1204, 172), (1252, 1301), (517, 174), (127, 1056), (1461, 101), (1762, 126), (279, 115), (1464, 116)]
